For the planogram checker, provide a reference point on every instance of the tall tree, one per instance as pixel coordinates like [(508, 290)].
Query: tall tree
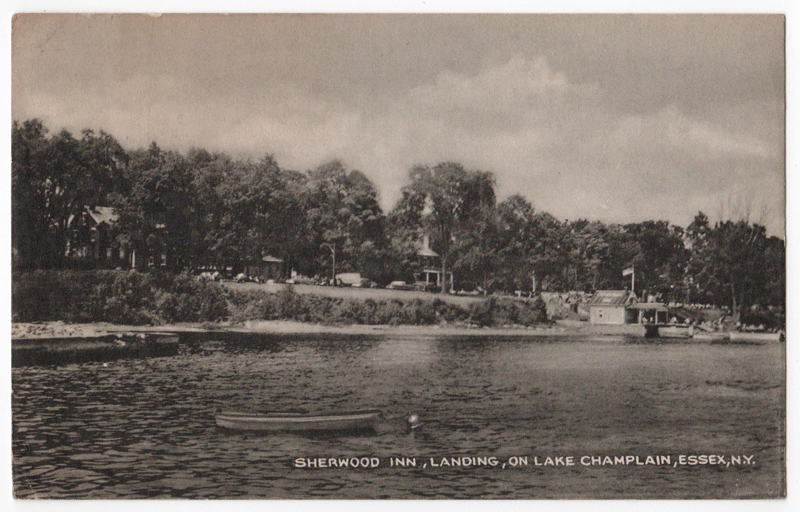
[(29, 222), (209, 171), (157, 214), (404, 231), (55, 179), (660, 256), (341, 210), (261, 212), (452, 197), (733, 261)]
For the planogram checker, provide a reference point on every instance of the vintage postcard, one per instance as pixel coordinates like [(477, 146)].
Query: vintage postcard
[(398, 256)]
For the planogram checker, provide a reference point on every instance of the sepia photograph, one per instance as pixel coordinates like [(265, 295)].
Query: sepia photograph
[(398, 256)]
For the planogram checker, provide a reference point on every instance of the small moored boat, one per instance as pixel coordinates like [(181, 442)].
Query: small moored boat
[(297, 421), (755, 336)]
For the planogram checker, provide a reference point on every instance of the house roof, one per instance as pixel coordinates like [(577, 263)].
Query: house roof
[(426, 251), (425, 248), (99, 214), (612, 298), (102, 214)]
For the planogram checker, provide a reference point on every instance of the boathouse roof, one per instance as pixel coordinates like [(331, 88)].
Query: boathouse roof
[(612, 298)]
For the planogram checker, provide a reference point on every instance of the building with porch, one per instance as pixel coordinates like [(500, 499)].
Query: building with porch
[(430, 275), (650, 313)]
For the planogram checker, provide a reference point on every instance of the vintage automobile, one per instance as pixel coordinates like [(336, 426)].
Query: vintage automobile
[(365, 283), (301, 280), (399, 285), (422, 286)]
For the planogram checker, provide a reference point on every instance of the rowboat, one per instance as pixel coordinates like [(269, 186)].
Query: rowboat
[(297, 421)]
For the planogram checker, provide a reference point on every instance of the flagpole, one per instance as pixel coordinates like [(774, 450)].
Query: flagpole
[(632, 272)]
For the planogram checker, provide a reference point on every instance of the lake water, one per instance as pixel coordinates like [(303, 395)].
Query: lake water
[(146, 429)]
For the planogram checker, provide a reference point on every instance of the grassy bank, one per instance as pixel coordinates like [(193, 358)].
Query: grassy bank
[(134, 298)]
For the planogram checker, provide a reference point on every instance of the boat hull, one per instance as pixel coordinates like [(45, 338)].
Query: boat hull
[(754, 336), (283, 422)]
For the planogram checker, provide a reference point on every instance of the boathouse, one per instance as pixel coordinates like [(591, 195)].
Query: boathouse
[(611, 307)]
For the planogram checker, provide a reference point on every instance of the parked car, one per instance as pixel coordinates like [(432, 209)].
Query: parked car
[(365, 283), (422, 286), (300, 280), (209, 276), (399, 285)]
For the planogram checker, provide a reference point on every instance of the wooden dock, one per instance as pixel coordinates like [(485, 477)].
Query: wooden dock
[(74, 350)]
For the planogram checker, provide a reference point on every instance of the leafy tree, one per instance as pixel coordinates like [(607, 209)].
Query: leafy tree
[(208, 173), (774, 293), (517, 241), (452, 197), (253, 197), (734, 262), (157, 214), (660, 256), (404, 231), (477, 259), (55, 179), (30, 224), (341, 208)]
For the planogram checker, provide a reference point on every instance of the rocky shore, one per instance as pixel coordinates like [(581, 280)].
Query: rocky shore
[(43, 330)]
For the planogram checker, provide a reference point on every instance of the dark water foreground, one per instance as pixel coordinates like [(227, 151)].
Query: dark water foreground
[(567, 417)]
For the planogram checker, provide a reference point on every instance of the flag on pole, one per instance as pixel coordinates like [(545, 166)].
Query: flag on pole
[(627, 271)]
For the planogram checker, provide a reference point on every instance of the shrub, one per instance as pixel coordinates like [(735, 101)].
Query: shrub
[(497, 312), (131, 297), (127, 297)]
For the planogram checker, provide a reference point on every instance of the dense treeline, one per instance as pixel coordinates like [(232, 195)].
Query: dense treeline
[(210, 210)]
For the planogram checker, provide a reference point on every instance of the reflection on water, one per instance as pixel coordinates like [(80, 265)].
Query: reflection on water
[(145, 428), (402, 352)]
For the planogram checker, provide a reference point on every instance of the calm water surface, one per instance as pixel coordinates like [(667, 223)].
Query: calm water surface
[(145, 428)]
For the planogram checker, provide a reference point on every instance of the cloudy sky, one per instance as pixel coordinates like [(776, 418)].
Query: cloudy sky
[(617, 118)]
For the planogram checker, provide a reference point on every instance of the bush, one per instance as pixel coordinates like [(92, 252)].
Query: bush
[(288, 305), (498, 312), (125, 297), (130, 297)]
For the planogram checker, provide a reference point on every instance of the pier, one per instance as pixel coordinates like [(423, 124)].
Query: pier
[(74, 350)]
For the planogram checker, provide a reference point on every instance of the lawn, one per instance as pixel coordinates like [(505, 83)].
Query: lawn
[(355, 293)]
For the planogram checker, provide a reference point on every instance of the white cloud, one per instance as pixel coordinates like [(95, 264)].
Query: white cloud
[(557, 142), (513, 85), (672, 130)]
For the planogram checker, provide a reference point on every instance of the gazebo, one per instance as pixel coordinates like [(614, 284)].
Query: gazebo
[(269, 267)]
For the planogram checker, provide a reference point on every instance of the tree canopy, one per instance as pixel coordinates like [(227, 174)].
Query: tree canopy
[(210, 210)]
